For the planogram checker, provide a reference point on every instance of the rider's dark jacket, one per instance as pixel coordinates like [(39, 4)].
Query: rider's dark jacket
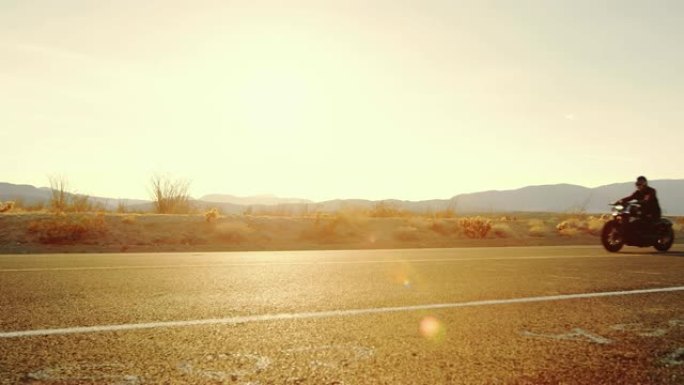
[(648, 200)]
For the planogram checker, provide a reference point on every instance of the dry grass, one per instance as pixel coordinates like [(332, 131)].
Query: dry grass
[(502, 230), (129, 219), (406, 233), (21, 206), (538, 228), (349, 228), (387, 210), (678, 225), (232, 232), (275, 211), (324, 229), (64, 229), (447, 213), (80, 204), (445, 227)]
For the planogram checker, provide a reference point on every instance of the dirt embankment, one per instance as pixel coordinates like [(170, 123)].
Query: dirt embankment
[(43, 232)]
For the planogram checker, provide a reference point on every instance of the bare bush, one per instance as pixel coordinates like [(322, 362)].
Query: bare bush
[(59, 199), (475, 227), (121, 207), (170, 196)]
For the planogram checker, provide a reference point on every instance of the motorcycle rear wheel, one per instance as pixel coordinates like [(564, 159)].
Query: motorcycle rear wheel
[(611, 237), (665, 240)]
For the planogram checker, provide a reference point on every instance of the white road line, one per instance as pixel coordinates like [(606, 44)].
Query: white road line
[(377, 261), (323, 314), (644, 272)]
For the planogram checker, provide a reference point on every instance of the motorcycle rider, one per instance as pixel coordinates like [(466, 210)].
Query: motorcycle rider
[(646, 197)]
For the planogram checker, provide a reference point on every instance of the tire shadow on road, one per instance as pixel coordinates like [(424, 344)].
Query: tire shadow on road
[(655, 253)]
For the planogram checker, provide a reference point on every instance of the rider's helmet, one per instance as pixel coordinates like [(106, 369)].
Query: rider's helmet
[(641, 181)]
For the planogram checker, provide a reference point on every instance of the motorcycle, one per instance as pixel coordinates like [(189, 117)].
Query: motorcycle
[(628, 227)]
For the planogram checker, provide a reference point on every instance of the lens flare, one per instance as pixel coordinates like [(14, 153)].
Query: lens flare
[(430, 327)]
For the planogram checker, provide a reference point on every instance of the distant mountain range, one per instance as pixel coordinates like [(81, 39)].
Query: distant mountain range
[(252, 200), (547, 198)]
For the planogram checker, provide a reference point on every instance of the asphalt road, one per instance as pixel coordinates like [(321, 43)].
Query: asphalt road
[(519, 315)]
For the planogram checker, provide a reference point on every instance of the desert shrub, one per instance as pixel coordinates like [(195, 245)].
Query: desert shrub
[(444, 227), (678, 224), (537, 228), (6, 206), (568, 231), (574, 223), (538, 231), (475, 227), (574, 226), (67, 229), (406, 233), (502, 230), (232, 232), (212, 215)]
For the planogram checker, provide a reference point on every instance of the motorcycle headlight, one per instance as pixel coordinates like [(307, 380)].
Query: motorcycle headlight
[(619, 207)]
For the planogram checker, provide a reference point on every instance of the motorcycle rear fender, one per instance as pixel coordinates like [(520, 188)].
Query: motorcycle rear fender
[(664, 222)]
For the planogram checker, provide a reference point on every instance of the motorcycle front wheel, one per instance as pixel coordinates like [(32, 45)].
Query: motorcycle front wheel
[(665, 240), (611, 237)]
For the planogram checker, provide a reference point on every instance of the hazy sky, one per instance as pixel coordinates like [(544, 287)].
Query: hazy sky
[(340, 99)]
